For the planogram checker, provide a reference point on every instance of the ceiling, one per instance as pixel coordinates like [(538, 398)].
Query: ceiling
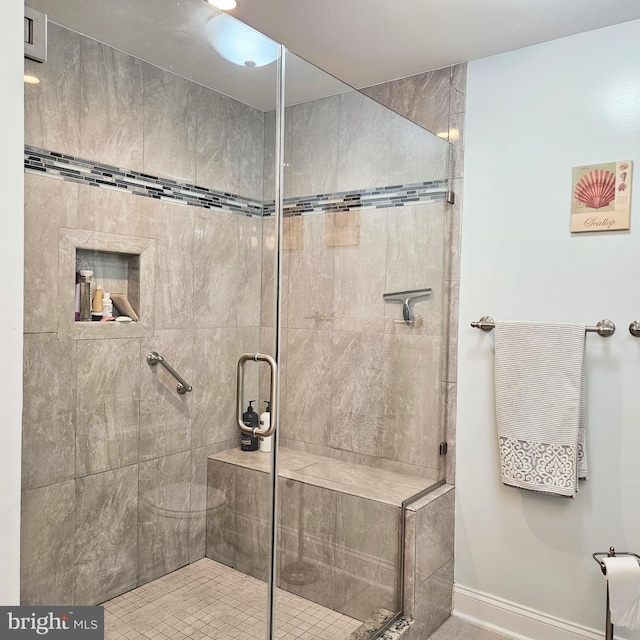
[(367, 42), (362, 42)]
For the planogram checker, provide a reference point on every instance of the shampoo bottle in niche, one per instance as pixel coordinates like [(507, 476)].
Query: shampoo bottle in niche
[(85, 295), (250, 418), (96, 304), (265, 421)]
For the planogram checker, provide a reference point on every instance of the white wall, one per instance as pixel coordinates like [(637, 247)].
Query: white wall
[(11, 258), (532, 115)]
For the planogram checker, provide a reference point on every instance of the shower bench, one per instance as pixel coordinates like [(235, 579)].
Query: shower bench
[(338, 529)]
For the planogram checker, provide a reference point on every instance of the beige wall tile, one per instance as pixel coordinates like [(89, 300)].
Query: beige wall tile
[(252, 522), (306, 526), (363, 149), (106, 535), (46, 545), (311, 275), (111, 113), (229, 145), (458, 93), (433, 602), (216, 270), (49, 418), (166, 415), (163, 515), (367, 571), (411, 399), (424, 99), (251, 152), (107, 406), (248, 286), (416, 155), (110, 211), (379, 92), (49, 204), (415, 260), (359, 276), (451, 391), (52, 107), (312, 134), (434, 536), (214, 376), (357, 414), (173, 227), (456, 132), (221, 512), (306, 402), (169, 125), (267, 304), (203, 501)]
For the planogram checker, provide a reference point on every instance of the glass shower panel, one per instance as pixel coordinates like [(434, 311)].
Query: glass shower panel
[(362, 409), (135, 496)]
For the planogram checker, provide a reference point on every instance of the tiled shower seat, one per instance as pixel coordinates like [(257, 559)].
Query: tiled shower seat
[(339, 526)]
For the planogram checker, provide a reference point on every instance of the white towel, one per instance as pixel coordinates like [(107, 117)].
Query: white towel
[(623, 576), (540, 405)]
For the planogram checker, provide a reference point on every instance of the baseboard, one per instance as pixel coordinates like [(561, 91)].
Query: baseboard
[(513, 620)]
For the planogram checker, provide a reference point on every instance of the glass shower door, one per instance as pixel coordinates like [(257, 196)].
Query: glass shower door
[(364, 341)]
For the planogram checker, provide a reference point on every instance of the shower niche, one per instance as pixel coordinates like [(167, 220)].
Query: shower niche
[(114, 273), (121, 265)]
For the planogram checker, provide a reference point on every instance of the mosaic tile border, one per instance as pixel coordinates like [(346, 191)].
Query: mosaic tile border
[(59, 165), (65, 167), (376, 198)]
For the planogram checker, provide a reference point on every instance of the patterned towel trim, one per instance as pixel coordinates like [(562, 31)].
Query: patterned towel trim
[(549, 468)]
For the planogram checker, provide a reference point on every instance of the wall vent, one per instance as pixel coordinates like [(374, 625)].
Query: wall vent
[(35, 35)]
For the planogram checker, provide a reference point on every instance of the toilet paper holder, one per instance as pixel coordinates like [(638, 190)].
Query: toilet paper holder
[(612, 553)]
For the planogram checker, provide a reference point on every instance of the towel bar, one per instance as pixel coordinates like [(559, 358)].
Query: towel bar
[(612, 553), (605, 328)]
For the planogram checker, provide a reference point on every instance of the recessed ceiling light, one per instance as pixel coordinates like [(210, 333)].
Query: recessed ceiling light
[(223, 5), (239, 43), (29, 79)]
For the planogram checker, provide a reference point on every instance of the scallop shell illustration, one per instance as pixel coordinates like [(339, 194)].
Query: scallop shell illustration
[(596, 189)]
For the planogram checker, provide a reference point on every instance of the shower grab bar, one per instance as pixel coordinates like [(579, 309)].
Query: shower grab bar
[(155, 358), (604, 328), (612, 553), (257, 357)]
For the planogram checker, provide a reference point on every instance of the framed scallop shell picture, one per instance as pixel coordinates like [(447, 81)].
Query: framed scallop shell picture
[(601, 197)]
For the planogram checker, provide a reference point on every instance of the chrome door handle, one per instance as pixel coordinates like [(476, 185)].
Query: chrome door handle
[(257, 357)]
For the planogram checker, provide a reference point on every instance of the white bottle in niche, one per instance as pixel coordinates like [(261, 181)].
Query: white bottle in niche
[(265, 420), (107, 305)]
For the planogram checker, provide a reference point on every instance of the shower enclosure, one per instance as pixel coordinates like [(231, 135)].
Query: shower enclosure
[(245, 202)]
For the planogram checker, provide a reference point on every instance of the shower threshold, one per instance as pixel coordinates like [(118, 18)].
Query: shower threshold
[(209, 600)]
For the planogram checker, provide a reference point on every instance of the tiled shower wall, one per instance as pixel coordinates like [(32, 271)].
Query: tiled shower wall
[(111, 451), (106, 438), (359, 385), (436, 100)]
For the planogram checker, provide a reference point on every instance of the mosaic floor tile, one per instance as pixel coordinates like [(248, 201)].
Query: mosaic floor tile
[(210, 600)]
